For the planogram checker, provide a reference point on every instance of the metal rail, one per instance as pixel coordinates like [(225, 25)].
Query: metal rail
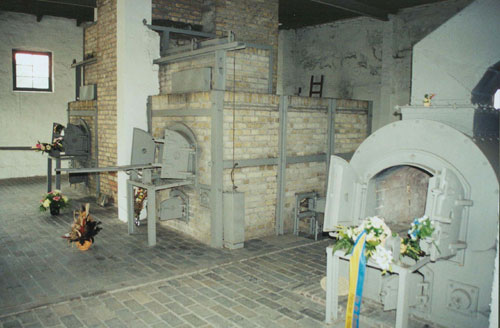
[(109, 168)]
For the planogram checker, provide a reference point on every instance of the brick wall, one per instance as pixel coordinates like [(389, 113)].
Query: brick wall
[(400, 196), (351, 124), (186, 11), (100, 39), (247, 70), (255, 119), (254, 21)]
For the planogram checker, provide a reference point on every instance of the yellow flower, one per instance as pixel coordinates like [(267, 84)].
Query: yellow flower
[(65, 199), (46, 203), (403, 248)]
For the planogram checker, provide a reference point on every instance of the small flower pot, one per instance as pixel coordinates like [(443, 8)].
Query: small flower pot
[(54, 210), (86, 245)]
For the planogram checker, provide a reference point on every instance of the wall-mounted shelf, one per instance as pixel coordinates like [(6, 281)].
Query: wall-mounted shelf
[(84, 62)]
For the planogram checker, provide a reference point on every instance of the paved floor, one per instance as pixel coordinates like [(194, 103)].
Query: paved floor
[(120, 282)]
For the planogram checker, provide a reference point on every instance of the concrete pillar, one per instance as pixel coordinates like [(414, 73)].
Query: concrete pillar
[(137, 78)]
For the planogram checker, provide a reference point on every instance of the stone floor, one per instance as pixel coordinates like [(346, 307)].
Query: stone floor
[(120, 282)]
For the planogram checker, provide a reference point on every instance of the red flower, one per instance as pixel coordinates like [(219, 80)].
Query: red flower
[(57, 198)]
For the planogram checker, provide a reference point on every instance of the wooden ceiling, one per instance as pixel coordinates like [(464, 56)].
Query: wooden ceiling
[(292, 13), (80, 10), (299, 13)]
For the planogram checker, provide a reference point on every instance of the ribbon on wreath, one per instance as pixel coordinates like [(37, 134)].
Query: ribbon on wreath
[(357, 269)]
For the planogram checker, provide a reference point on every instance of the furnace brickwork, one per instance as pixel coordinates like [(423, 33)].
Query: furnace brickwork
[(186, 11)]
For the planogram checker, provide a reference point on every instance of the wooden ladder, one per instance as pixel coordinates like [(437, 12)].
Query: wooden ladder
[(313, 84)]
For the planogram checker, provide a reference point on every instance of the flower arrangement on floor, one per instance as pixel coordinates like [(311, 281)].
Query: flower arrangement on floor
[(83, 229), (140, 200), (44, 147), (377, 233), (54, 201)]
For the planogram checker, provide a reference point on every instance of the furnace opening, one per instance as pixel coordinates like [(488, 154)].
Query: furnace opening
[(399, 194)]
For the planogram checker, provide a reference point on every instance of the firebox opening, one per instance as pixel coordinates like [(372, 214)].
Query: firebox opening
[(398, 194)]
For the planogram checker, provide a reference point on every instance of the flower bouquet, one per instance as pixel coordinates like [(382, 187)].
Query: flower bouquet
[(420, 234), (54, 201), (377, 233), (51, 148), (83, 229), (140, 201)]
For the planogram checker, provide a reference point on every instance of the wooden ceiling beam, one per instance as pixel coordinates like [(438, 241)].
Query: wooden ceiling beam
[(356, 7), (77, 3)]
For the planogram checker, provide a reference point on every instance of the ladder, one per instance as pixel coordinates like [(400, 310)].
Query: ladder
[(312, 90)]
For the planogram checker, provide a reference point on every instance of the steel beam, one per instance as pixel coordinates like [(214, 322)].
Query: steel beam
[(357, 8), (82, 113), (198, 52), (217, 150), (332, 106), (180, 112), (216, 222), (149, 114), (252, 162), (282, 160), (369, 118), (305, 159), (228, 164)]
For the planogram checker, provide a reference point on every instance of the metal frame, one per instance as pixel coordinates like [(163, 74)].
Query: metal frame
[(165, 37), (180, 112), (332, 277), (151, 189), (95, 140), (282, 160), (332, 107), (217, 150), (199, 52)]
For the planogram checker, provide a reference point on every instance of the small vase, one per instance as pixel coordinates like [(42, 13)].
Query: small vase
[(86, 245), (54, 210)]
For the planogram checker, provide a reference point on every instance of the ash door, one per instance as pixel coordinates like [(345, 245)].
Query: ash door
[(446, 206), (343, 198)]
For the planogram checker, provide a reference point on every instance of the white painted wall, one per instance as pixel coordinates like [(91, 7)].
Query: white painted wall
[(137, 47), (361, 58), (452, 59), (27, 117)]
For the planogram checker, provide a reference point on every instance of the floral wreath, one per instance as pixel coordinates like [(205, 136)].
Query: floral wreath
[(377, 233)]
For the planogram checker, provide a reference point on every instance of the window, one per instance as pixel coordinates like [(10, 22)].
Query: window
[(32, 71)]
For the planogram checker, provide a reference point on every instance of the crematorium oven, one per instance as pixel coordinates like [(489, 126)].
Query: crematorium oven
[(439, 162)]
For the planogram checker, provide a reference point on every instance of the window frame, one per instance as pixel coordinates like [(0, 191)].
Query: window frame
[(14, 70)]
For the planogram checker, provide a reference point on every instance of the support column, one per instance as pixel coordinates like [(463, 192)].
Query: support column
[(280, 204), (217, 154), (332, 108)]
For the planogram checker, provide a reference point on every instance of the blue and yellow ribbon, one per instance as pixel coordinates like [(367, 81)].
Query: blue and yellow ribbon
[(357, 268)]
